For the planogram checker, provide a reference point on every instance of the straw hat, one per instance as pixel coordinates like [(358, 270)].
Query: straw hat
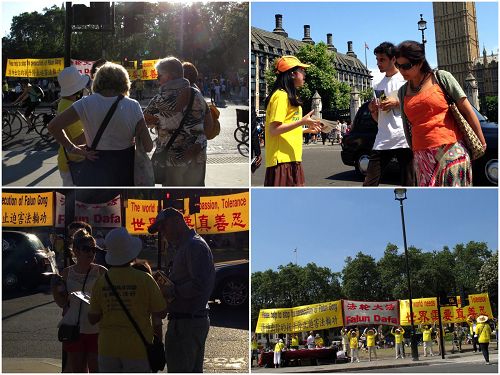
[(122, 247), (482, 319), (71, 81)]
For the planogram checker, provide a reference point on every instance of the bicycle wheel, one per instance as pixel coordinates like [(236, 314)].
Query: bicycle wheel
[(6, 128), (40, 124), (241, 136), (16, 124)]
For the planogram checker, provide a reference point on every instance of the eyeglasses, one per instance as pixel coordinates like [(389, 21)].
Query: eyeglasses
[(405, 66)]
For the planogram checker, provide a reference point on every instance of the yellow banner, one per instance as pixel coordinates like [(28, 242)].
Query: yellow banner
[(27, 210), (148, 70), (221, 214), (34, 68), (425, 310), (17, 68), (300, 319), (139, 215)]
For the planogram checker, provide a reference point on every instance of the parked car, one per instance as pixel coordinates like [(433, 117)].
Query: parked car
[(26, 263), (231, 283), (357, 145)]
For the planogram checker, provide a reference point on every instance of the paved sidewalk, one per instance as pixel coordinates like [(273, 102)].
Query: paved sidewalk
[(385, 363)]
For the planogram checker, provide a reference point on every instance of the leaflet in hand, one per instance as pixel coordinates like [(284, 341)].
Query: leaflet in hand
[(163, 282), (327, 125)]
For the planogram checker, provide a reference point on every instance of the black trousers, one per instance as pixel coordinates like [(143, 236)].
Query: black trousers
[(484, 350), (379, 159)]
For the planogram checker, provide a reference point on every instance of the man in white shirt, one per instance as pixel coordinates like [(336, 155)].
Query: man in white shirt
[(310, 340), (390, 140)]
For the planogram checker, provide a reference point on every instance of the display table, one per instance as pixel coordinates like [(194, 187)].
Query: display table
[(299, 357)]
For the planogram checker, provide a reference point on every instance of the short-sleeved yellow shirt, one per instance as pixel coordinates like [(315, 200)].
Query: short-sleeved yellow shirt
[(286, 147), (427, 335), (142, 296), (353, 342), (370, 339), (72, 132)]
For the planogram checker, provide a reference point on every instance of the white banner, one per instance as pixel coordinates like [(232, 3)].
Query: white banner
[(102, 215), (368, 313), (82, 66), (60, 204)]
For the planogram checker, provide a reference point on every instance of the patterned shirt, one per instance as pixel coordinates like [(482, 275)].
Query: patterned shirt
[(163, 106)]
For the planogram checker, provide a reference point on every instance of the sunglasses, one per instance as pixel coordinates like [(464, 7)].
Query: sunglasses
[(405, 66)]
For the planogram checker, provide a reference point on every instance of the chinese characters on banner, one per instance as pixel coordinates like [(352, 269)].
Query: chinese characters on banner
[(34, 68), (221, 214), (27, 210), (148, 70), (300, 319), (425, 310), (101, 215), (82, 66), (368, 313), (60, 208), (139, 215)]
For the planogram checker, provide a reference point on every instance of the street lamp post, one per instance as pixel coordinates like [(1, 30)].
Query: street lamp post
[(422, 25), (400, 195)]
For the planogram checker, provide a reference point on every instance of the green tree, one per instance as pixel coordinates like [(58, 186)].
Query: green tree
[(490, 105), (292, 286), (391, 269), (361, 278), (488, 281), (320, 77), (469, 259), (366, 94)]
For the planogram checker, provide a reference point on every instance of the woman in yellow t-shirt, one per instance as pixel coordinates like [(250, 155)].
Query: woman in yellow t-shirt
[(371, 335), (72, 84), (284, 125)]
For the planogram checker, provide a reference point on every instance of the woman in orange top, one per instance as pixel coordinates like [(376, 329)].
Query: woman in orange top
[(440, 157)]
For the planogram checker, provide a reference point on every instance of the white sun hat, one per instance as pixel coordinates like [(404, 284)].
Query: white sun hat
[(122, 247), (71, 81)]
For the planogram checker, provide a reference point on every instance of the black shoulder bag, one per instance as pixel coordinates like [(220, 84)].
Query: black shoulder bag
[(71, 332), (159, 158), (112, 168), (155, 350)]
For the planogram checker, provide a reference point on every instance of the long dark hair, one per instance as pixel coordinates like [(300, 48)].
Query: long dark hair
[(284, 81), (415, 53)]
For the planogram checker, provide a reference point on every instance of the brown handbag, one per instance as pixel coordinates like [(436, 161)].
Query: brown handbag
[(470, 137)]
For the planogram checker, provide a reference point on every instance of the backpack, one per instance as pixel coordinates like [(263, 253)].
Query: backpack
[(215, 131)]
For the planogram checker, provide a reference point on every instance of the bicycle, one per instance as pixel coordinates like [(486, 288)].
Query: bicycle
[(13, 120), (241, 133)]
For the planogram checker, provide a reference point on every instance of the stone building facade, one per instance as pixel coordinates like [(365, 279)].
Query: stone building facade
[(457, 44), (486, 74), (268, 45)]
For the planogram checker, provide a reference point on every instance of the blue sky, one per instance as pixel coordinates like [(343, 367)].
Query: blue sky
[(327, 225), (370, 22)]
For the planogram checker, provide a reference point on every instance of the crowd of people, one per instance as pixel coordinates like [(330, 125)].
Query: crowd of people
[(103, 132), (352, 340), (411, 108), (96, 329)]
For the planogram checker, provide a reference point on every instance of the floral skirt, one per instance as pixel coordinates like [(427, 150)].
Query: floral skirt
[(447, 165)]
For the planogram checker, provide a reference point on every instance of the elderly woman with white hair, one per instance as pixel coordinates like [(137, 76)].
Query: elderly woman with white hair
[(181, 147), (114, 153)]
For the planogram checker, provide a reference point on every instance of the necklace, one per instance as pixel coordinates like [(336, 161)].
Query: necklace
[(417, 89)]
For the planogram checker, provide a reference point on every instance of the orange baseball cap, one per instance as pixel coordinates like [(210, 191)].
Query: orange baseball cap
[(285, 63)]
